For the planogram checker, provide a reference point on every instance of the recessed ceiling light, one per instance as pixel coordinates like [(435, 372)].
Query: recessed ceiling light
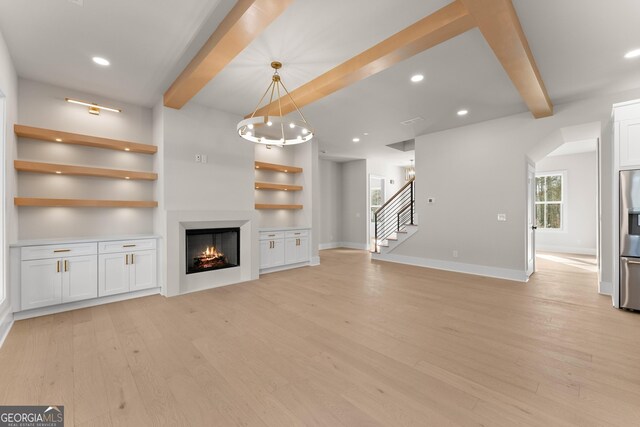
[(101, 61), (366, 134), (463, 112), (356, 139), (632, 54), (417, 78)]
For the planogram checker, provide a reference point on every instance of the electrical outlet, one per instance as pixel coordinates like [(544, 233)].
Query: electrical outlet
[(205, 158), (198, 158), (502, 217), (431, 200), (455, 253)]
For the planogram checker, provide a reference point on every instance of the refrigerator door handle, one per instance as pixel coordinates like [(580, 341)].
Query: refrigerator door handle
[(630, 261)]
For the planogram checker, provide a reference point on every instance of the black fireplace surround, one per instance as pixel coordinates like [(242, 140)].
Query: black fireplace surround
[(212, 249)]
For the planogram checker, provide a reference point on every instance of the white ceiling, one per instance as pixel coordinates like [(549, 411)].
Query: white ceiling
[(53, 41), (578, 45)]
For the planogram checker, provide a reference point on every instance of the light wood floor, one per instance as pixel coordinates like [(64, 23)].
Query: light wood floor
[(348, 343)]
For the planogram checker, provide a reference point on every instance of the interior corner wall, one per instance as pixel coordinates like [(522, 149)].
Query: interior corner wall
[(354, 204), (476, 171), (8, 90), (43, 105), (331, 199), (579, 229)]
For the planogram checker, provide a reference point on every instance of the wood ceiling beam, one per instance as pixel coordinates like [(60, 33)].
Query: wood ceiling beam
[(241, 26), (500, 26), (446, 23)]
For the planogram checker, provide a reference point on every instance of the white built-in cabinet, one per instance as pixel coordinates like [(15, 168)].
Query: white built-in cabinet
[(57, 274), (126, 266), (629, 140), (61, 273), (284, 248)]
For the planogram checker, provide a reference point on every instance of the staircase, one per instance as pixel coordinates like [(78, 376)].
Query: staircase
[(395, 220)]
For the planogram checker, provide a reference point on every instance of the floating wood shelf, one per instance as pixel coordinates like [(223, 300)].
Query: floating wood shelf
[(52, 168), (278, 168), (86, 140), (84, 203), (269, 206), (272, 186)]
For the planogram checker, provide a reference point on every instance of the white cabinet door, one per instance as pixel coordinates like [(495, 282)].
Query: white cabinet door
[(291, 250), (302, 252), (114, 274), (41, 283), (629, 137), (79, 278), (142, 270), (277, 253), (265, 253)]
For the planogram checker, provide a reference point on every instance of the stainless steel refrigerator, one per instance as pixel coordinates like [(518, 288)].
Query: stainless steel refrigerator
[(630, 239)]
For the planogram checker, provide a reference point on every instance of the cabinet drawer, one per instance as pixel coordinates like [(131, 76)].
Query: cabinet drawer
[(57, 251), (296, 233), (126, 246), (271, 235)]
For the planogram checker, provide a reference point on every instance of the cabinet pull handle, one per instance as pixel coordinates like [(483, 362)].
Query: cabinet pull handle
[(272, 235), (297, 234), (61, 250), (66, 265), (126, 259), (57, 266), (128, 246), (131, 259)]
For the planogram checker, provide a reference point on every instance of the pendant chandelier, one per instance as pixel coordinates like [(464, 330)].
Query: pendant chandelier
[(273, 128)]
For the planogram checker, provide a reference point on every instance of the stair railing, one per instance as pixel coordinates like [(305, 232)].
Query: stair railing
[(395, 214)]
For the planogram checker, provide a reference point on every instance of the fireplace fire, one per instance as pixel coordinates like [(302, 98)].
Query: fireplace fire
[(212, 249)]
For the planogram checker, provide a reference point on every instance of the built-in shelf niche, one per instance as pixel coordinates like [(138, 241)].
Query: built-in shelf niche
[(271, 186), (60, 137)]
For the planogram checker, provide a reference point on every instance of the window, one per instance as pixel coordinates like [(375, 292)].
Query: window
[(376, 195), (549, 201)]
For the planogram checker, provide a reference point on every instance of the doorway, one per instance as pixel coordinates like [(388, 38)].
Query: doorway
[(565, 204)]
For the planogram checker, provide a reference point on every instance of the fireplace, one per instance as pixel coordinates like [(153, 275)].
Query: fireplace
[(212, 249)]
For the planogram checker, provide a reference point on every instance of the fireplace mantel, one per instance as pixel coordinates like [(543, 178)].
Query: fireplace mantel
[(177, 281)]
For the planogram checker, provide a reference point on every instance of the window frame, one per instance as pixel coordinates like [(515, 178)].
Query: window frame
[(563, 201)]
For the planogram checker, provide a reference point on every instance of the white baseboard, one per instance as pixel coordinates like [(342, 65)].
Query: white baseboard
[(345, 245), (325, 246), (37, 312), (458, 267), (605, 288), (566, 250), (315, 261), (285, 267), (6, 322)]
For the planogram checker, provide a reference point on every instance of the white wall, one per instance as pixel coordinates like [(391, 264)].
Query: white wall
[(331, 183), (579, 232), (477, 171), (43, 105), (8, 90), (226, 181), (354, 204)]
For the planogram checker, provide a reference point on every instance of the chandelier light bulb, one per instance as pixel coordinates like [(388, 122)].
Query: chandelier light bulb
[(269, 123), (250, 126), (292, 125), (305, 131)]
